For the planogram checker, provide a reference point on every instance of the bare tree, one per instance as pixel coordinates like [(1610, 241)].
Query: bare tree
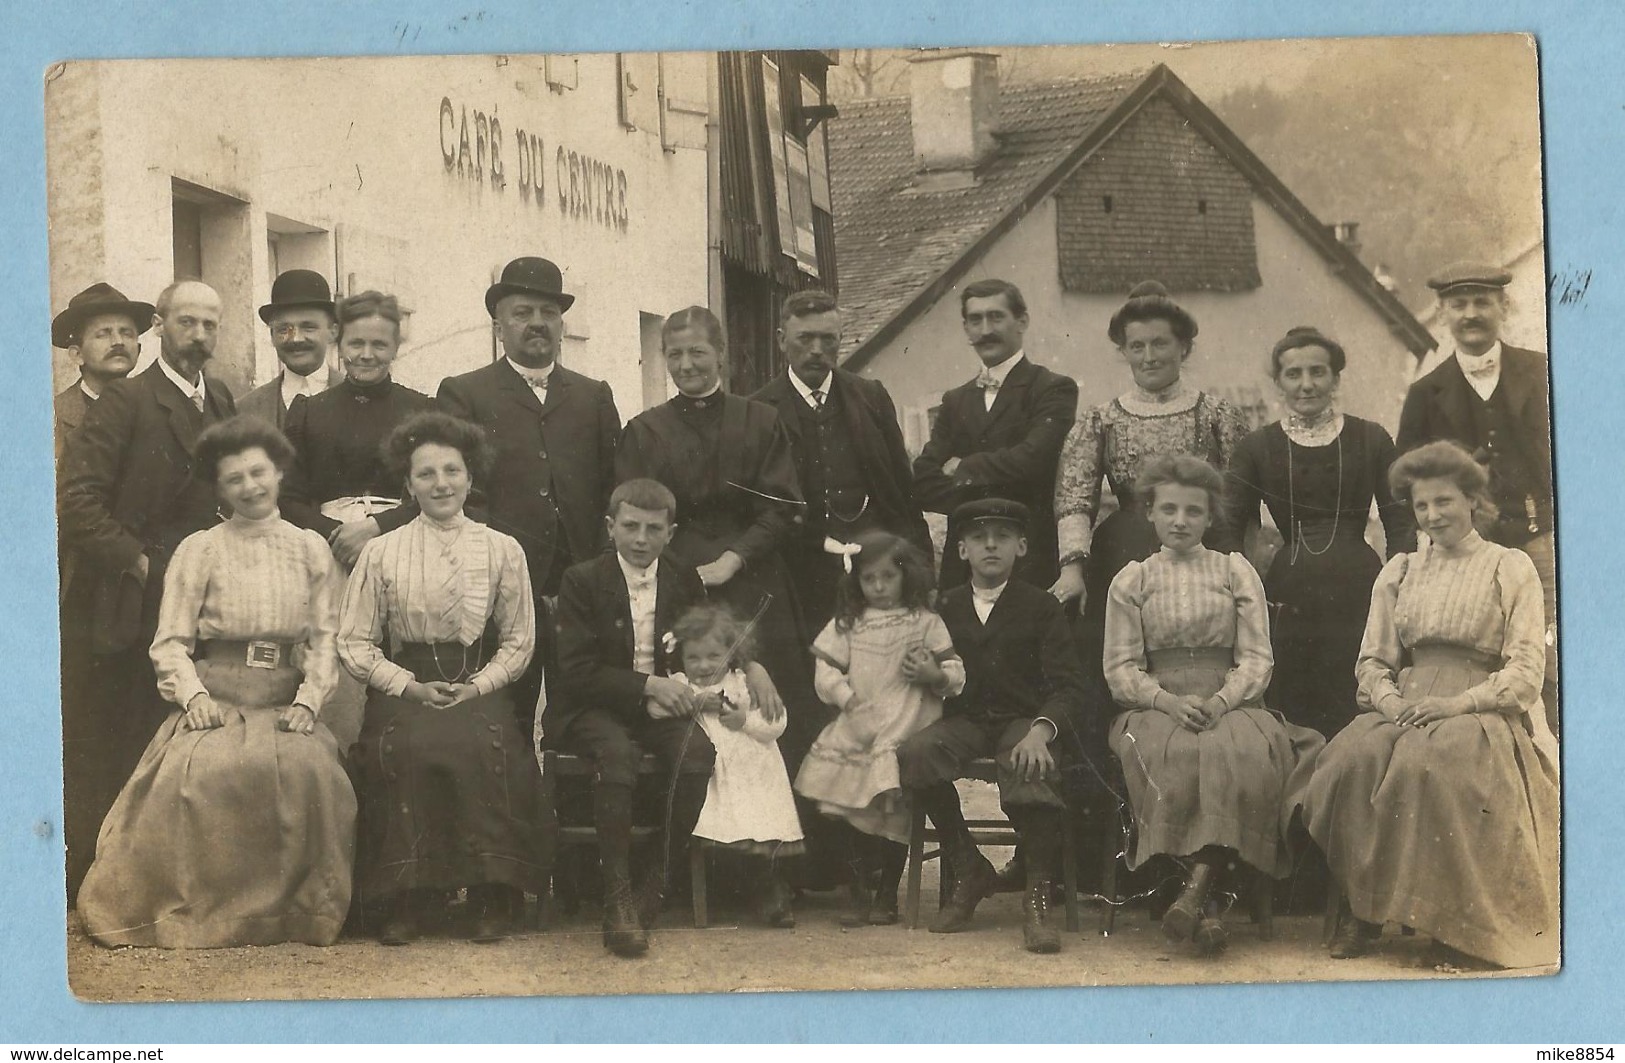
[(865, 72)]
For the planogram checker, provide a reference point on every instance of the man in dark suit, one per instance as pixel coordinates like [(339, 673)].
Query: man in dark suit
[(555, 433), (999, 435), (1493, 399), (102, 331), (848, 450), (1022, 705), (303, 329), (126, 497)]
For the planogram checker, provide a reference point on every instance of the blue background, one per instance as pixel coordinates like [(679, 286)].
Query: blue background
[(1580, 45)]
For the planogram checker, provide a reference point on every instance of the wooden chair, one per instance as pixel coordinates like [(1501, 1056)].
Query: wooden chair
[(982, 832), (556, 766)]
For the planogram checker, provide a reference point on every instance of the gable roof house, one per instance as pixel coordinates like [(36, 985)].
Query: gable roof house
[(1075, 190)]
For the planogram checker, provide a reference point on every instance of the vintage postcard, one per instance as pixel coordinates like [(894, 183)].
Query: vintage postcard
[(802, 520)]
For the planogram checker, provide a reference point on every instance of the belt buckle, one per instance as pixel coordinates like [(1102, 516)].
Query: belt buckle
[(264, 655)]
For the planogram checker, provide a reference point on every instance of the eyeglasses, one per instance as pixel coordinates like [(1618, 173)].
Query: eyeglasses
[(283, 332)]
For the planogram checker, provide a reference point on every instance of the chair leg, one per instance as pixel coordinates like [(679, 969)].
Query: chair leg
[(1114, 838), (1334, 913), (916, 857), (1069, 876), (551, 839), (696, 882)]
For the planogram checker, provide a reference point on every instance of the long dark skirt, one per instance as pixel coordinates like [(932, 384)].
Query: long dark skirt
[(448, 797)]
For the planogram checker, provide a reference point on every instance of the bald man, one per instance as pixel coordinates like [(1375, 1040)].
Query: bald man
[(125, 499)]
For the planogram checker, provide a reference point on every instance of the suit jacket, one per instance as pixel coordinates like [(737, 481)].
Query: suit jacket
[(1009, 452), (870, 419), (71, 405), (594, 638), (1022, 663), (561, 451), (265, 401), (125, 488), (1439, 406)]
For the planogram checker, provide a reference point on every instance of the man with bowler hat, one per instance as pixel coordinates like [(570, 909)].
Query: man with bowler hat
[(303, 330), (126, 497), (1493, 399), (849, 454), (555, 433), (102, 331)]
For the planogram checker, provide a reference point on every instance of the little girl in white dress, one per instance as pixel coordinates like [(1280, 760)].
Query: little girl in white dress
[(749, 807)]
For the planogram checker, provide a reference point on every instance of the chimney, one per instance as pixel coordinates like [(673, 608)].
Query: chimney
[(954, 109)]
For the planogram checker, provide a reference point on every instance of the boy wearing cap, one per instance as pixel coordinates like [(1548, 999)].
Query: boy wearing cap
[(1021, 705)]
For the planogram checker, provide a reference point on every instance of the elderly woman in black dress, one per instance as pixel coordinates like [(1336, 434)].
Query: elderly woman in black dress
[(438, 621), (1317, 471)]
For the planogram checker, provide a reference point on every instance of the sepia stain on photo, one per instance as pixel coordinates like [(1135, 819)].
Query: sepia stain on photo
[(805, 520)]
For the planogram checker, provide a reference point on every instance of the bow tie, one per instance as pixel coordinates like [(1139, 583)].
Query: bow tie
[(1479, 367), (538, 382), (987, 381), (640, 583)]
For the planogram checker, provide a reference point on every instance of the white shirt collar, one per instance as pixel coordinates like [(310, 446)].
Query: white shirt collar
[(544, 372), (1002, 371), (807, 392), (990, 594), (84, 386), (1483, 371), (294, 385), (188, 389), (633, 575)]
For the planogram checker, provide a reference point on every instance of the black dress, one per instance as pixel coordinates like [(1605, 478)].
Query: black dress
[(1319, 583)]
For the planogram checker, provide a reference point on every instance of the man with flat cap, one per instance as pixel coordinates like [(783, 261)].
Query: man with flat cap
[(1493, 399), (102, 331), (126, 497), (554, 432), (303, 329), (848, 449)]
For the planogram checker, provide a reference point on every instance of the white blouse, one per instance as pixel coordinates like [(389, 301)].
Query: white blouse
[(437, 581)]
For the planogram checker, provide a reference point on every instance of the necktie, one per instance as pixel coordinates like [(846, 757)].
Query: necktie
[(1480, 367), (987, 381), (197, 400), (640, 584), (818, 399)]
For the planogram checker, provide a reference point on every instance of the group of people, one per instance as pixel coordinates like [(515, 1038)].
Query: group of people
[(313, 640)]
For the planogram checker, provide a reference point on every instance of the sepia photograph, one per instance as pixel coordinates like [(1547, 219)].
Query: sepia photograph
[(864, 518)]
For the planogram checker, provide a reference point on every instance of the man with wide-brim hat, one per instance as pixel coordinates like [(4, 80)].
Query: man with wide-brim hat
[(101, 330), (1493, 399), (303, 331), (555, 433)]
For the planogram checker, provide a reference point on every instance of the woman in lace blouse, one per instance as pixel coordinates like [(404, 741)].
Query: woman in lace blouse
[(1317, 471), (1437, 807), (238, 825), (438, 621), (1109, 444)]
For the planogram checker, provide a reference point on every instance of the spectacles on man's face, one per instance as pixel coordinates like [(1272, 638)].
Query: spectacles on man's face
[(303, 328)]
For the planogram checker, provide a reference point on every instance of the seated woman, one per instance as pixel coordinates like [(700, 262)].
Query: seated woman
[(1210, 772), (237, 827), (1438, 806), (438, 621)]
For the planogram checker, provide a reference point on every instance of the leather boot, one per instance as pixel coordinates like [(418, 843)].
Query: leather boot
[(1210, 936), (402, 924), (623, 934), (1013, 875), (883, 909), (974, 880), (777, 910), (858, 897), (1038, 934), (491, 906), (1180, 920), (1354, 937)]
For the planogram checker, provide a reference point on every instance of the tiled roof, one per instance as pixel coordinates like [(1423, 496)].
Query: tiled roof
[(891, 241), (900, 249)]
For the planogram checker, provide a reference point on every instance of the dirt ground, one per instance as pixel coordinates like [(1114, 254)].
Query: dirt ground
[(732, 955), (736, 954)]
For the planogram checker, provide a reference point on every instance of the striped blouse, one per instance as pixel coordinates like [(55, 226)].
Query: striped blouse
[(1477, 595), (249, 579), (1203, 599), (437, 581)]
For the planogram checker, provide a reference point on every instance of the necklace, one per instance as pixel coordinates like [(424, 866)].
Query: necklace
[(1292, 506)]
